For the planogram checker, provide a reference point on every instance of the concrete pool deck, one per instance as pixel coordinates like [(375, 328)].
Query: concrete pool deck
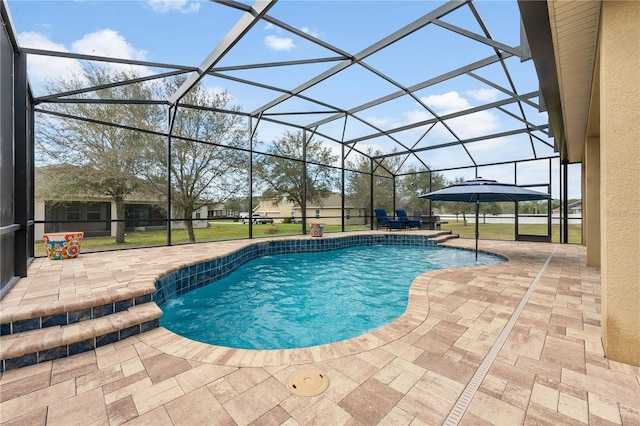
[(550, 368)]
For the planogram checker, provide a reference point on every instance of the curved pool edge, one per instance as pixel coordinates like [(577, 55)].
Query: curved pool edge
[(202, 272), (415, 315)]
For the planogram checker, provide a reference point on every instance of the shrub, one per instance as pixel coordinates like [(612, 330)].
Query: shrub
[(272, 230)]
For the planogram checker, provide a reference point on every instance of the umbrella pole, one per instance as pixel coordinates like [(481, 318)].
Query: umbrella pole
[(477, 218)]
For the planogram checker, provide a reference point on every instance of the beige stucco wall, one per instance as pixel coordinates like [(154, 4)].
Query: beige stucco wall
[(620, 179), (276, 210), (591, 202)]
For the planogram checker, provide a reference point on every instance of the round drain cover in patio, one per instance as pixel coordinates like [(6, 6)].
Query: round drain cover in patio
[(308, 382)]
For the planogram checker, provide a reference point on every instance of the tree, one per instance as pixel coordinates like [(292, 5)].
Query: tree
[(206, 166), (358, 185), (96, 159), (527, 207), (457, 207), (491, 208), (234, 205), (358, 182), (281, 171), (415, 183)]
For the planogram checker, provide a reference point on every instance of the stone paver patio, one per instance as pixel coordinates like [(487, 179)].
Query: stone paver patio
[(551, 368)]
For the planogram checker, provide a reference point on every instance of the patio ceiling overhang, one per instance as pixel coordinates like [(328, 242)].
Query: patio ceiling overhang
[(563, 37)]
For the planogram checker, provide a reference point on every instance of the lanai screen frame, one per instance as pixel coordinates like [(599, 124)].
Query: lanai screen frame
[(258, 12)]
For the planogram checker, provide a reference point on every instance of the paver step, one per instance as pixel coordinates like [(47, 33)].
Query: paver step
[(444, 237), (18, 319), (46, 344)]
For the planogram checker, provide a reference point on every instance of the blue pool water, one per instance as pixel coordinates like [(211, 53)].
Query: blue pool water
[(306, 299)]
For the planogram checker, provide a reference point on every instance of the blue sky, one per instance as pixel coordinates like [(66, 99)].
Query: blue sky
[(185, 32)]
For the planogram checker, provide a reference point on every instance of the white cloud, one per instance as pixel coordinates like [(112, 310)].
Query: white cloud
[(42, 68), (446, 103), (100, 43), (107, 43), (279, 43), (384, 122), (468, 126), (165, 6), (417, 115), (473, 125), (483, 95), (111, 44)]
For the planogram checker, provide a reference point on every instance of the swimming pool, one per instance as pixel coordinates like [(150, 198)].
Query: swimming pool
[(304, 299)]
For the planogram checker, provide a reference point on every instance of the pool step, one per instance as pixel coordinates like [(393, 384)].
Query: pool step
[(58, 341), (443, 236)]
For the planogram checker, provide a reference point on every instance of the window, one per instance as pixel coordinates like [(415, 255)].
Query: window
[(93, 211), (73, 211), (317, 213)]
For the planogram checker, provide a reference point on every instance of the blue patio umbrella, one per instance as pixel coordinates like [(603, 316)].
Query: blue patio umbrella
[(486, 191)]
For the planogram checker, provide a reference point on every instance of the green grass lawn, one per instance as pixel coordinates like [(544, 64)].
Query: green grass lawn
[(506, 231), (217, 231), (229, 230)]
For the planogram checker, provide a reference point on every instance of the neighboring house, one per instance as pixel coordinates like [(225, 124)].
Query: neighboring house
[(277, 210), (142, 213), (573, 208), (139, 216), (329, 211), (220, 210)]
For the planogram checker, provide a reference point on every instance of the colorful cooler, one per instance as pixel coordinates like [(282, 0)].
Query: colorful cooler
[(63, 245)]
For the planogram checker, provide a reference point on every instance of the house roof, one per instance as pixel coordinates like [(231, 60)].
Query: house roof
[(577, 205)]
